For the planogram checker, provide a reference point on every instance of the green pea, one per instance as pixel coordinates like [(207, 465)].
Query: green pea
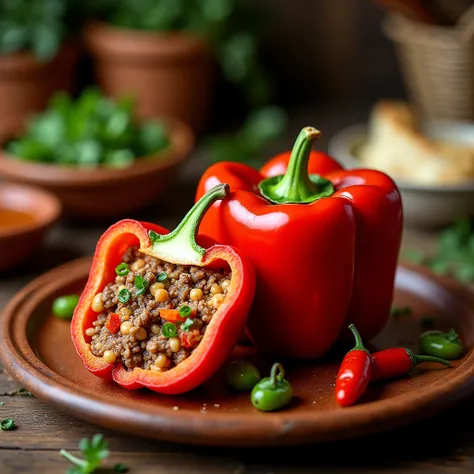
[(242, 375), (64, 306), (272, 393), (446, 345)]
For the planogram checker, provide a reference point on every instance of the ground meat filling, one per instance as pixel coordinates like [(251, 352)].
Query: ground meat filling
[(130, 326)]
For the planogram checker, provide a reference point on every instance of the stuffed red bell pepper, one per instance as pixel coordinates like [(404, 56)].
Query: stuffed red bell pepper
[(158, 310), (324, 243)]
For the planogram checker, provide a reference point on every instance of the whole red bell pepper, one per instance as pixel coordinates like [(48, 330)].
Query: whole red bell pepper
[(178, 247), (323, 241)]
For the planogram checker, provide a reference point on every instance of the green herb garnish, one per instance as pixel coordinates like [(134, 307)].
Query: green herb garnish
[(88, 132), (7, 424), (140, 284), (454, 254), (184, 311), (169, 330), (162, 276), (123, 295), (38, 26), (94, 452), (1, 404), (187, 325), (122, 269)]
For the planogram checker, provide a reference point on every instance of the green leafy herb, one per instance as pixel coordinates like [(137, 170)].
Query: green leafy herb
[(90, 131), (1, 404), (123, 295), (122, 269), (261, 127), (233, 28), (187, 325), (169, 330), (140, 284), (120, 468), (454, 254), (162, 276), (94, 452), (7, 424), (36, 25)]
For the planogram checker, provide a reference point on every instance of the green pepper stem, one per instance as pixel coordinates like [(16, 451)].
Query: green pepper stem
[(73, 459), (359, 345), (180, 246), (273, 373), (296, 185), (419, 359)]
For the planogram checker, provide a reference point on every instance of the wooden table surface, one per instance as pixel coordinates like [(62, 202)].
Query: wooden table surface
[(444, 444)]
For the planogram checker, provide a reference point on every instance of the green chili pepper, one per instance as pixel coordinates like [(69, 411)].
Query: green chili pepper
[(242, 375), (169, 330), (184, 311), (64, 306), (272, 393), (122, 269), (446, 345)]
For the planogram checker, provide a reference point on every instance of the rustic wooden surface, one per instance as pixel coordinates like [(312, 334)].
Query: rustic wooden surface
[(444, 444)]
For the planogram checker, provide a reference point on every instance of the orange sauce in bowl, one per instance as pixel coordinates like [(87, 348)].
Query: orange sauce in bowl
[(13, 219)]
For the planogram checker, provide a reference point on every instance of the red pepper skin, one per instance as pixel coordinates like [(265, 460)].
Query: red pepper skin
[(354, 375), (218, 340), (398, 361), (113, 323), (332, 261)]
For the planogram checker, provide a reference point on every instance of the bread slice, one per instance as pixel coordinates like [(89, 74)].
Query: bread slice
[(396, 146)]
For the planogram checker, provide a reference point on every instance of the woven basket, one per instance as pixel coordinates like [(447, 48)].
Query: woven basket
[(437, 64)]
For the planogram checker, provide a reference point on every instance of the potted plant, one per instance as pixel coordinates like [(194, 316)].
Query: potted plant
[(94, 155), (36, 55), (166, 52)]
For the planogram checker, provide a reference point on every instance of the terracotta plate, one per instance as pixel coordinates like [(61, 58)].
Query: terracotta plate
[(36, 349)]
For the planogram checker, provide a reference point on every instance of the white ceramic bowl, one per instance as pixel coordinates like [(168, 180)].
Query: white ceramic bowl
[(425, 207)]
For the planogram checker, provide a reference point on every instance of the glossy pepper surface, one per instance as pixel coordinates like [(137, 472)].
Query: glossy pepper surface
[(354, 373), (178, 247), (398, 361), (323, 241)]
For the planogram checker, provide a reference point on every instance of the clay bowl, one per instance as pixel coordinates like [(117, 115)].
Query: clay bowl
[(103, 193), (214, 414), (41, 209)]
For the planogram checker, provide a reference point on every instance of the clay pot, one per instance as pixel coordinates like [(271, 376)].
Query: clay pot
[(169, 74), (95, 194), (26, 84), (18, 243)]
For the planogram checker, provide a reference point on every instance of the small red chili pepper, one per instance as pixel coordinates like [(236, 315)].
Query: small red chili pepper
[(113, 323), (398, 361), (354, 372)]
